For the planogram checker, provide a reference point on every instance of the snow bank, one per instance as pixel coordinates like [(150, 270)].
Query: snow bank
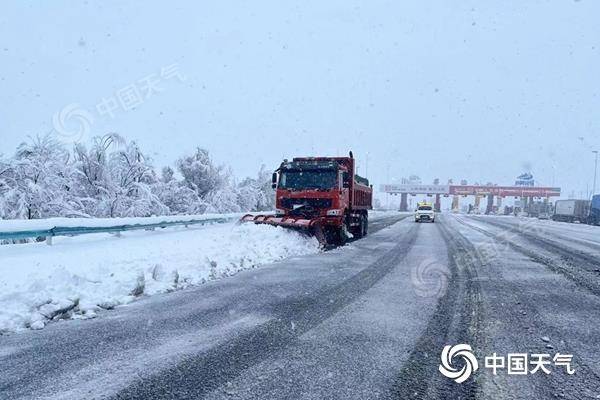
[(79, 276)]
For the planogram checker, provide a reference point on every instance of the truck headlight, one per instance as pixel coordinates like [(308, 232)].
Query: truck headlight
[(333, 213), (279, 211)]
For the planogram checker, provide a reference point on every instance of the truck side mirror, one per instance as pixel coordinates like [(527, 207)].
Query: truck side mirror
[(274, 180)]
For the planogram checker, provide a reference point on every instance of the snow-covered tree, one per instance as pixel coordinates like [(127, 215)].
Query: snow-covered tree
[(224, 200), (132, 178), (116, 179), (93, 172), (42, 181), (200, 173), (113, 178), (212, 184), (176, 195), (256, 194), (267, 199), (8, 207)]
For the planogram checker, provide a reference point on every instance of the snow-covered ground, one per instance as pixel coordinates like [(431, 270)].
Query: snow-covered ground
[(79, 276)]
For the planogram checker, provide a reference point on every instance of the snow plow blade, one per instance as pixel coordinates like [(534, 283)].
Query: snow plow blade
[(307, 226)]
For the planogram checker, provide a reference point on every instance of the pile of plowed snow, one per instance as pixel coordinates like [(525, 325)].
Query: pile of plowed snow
[(79, 276)]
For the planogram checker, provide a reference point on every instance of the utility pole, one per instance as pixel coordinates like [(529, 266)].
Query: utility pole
[(595, 171)]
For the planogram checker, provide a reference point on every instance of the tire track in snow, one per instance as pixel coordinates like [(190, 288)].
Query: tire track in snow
[(293, 317), (457, 319), (578, 267), (524, 315)]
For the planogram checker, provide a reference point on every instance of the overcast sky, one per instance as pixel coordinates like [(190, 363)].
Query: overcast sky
[(446, 89)]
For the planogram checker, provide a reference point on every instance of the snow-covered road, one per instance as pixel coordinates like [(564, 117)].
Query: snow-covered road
[(365, 321)]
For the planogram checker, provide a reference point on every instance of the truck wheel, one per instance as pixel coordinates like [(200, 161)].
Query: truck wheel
[(362, 227), (343, 235), (335, 236)]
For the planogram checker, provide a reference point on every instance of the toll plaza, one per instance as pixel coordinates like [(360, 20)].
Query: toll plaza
[(490, 192)]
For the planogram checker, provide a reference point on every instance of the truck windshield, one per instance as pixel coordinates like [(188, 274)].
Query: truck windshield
[(308, 179), (425, 208)]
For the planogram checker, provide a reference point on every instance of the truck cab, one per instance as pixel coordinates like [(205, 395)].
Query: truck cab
[(424, 212), (325, 191)]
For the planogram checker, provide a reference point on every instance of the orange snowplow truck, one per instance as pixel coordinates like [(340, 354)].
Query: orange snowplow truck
[(322, 196)]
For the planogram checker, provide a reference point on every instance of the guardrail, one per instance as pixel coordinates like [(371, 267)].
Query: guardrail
[(48, 234)]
